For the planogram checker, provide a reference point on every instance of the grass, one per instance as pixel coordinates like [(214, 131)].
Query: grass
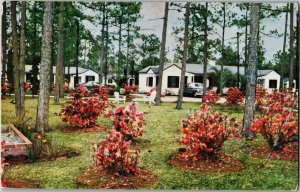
[(162, 131)]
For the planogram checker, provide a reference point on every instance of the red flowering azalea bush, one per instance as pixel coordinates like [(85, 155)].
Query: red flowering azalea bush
[(212, 97), (129, 90), (3, 164), (101, 92), (204, 134), (5, 88), (261, 96), (235, 96), (127, 121), (278, 125), (285, 97), (26, 86), (83, 110), (114, 155)]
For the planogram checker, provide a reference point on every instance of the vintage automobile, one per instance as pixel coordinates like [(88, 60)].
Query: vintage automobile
[(193, 89)]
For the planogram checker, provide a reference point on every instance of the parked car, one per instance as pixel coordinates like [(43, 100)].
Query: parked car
[(193, 89), (91, 84)]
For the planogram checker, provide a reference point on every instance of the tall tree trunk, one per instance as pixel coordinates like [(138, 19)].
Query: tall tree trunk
[(238, 59), (162, 56), (284, 45), (59, 73), (76, 82), (251, 76), (43, 102), (3, 38), (18, 86), (120, 44), (291, 72), (205, 52), (35, 61), (127, 48), (20, 69), (246, 42), (102, 44), (106, 51), (298, 49), (223, 46), (184, 59)]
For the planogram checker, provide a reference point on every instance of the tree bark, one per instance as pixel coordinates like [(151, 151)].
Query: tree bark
[(102, 44), (291, 72), (238, 59), (162, 56), (76, 82), (184, 59), (59, 73), (284, 45), (251, 76), (298, 49), (20, 70), (205, 52), (43, 102), (3, 38), (223, 46), (246, 42)]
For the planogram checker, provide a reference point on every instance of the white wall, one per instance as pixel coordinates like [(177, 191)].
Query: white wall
[(270, 76), (82, 77), (171, 71)]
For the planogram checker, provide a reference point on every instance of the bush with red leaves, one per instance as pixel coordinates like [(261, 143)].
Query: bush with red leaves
[(235, 96), (113, 155), (260, 98), (26, 86), (129, 90), (204, 134), (285, 97), (84, 110), (3, 164), (5, 88), (101, 92), (127, 121), (211, 97), (278, 125)]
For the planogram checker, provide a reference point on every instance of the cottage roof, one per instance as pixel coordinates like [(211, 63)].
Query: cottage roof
[(263, 72), (72, 70)]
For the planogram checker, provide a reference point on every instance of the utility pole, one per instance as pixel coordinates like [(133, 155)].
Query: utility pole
[(238, 59), (77, 55)]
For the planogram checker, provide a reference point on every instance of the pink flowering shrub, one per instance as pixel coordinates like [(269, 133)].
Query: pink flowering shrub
[(235, 96), (212, 97)]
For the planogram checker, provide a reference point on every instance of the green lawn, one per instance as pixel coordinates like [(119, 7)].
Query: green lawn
[(162, 131)]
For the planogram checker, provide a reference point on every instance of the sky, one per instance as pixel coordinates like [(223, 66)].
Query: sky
[(155, 10)]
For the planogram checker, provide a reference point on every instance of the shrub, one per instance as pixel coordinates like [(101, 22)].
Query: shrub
[(101, 92), (278, 125), (130, 89), (235, 96), (6, 88), (3, 164), (204, 134), (26, 86), (285, 97), (260, 98), (84, 110), (211, 97), (127, 121), (114, 156)]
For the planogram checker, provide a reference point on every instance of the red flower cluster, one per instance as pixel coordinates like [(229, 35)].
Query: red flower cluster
[(26, 86), (211, 97), (285, 97), (101, 92), (204, 133), (130, 89), (3, 164), (278, 125), (260, 98), (127, 121), (113, 155), (84, 110), (235, 96), (6, 88)]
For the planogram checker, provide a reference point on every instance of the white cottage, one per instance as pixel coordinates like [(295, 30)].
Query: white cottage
[(84, 75), (148, 77)]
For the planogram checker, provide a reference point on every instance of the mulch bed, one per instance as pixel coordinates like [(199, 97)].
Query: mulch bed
[(95, 178), (61, 155), (290, 153), (96, 128), (224, 163), (17, 183)]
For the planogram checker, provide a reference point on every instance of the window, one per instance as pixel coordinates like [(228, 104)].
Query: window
[(89, 78), (109, 81), (156, 83), (261, 82), (185, 80), (173, 81), (273, 84), (192, 79), (149, 81)]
